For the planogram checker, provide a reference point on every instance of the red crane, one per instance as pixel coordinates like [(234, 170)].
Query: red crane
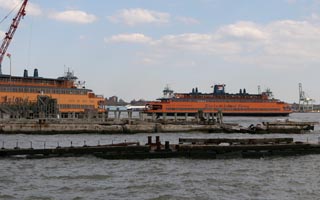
[(9, 35)]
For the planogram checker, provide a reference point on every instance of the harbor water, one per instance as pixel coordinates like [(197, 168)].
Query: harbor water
[(88, 177)]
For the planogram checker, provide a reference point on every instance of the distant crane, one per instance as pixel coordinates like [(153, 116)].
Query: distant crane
[(305, 103), (12, 29)]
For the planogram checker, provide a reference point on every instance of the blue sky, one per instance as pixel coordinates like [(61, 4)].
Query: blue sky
[(133, 48)]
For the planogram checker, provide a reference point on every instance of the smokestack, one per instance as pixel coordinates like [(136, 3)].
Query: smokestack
[(25, 73), (35, 73)]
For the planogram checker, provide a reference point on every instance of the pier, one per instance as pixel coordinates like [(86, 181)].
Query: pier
[(138, 122), (186, 148)]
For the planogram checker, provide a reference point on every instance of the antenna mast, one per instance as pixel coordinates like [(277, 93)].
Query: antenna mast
[(9, 35)]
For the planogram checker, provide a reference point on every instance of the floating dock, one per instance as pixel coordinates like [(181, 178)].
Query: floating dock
[(186, 148)]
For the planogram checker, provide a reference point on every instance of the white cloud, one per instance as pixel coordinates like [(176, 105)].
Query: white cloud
[(187, 20), (136, 16), (74, 16), (243, 30), (31, 9), (283, 43), (129, 38)]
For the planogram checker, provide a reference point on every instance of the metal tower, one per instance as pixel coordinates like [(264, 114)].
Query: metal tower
[(12, 29), (305, 103)]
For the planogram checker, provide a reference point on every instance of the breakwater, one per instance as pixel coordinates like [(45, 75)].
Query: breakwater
[(139, 122), (47, 126)]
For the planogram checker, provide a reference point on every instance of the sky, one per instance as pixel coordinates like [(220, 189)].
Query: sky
[(134, 48)]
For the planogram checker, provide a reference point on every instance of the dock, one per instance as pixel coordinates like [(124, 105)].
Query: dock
[(143, 124), (196, 148)]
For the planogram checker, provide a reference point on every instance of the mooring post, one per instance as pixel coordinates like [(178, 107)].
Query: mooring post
[(158, 142), (149, 140), (175, 117), (167, 146), (84, 143), (31, 145)]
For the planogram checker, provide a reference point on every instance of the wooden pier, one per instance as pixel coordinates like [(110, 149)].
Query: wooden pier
[(186, 148)]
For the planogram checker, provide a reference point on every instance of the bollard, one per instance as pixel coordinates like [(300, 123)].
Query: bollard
[(2, 145), (31, 145), (44, 144), (98, 142), (158, 143), (58, 146), (71, 144), (149, 140), (166, 146), (84, 144)]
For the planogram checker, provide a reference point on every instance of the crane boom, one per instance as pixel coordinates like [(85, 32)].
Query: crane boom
[(12, 29)]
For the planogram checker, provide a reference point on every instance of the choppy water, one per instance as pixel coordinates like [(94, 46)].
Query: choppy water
[(95, 178)]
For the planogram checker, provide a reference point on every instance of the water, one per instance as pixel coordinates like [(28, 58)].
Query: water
[(88, 177)]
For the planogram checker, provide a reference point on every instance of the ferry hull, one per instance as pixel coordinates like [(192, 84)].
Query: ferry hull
[(230, 114), (228, 108)]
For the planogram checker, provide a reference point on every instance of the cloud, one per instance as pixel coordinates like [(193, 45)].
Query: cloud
[(74, 16), (31, 9), (137, 16), (129, 38), (283, 43), (243, 30), (187, 20)]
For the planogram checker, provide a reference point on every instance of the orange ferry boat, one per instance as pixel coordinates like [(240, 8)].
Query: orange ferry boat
[(240, 104), (70, 96)]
